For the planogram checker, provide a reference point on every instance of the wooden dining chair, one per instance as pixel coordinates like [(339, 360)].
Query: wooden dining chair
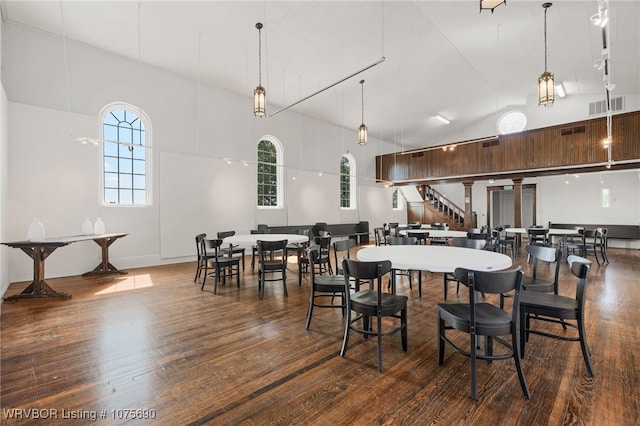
[(483, 319), (371, 303)]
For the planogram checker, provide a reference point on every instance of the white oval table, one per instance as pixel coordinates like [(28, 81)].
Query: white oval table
[(252, 239), (436, 258), (436, 233)]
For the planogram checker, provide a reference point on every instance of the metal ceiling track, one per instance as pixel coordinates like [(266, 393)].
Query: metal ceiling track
[(379, 61)]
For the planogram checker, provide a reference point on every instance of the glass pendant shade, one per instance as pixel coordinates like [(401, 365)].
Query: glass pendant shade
[(490, 4), (545, 89), (362, 134), (259, 101)]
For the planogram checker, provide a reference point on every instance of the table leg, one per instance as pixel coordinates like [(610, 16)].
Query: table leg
[(105, 267), (38, 289)]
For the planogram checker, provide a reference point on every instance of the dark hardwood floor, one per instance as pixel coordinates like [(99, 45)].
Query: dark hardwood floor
[(151, 340)]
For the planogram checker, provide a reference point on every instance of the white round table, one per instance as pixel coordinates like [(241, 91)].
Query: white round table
[(436, 233), (251, 239), (436, 258)]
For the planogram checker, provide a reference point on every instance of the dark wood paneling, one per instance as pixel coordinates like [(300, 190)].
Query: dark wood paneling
[(541, 151)]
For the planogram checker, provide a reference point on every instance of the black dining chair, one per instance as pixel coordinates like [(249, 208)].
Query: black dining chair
[(324, 289), (272, 261), (557, 309), (471, 243), (223, 265), (404, 241), (483, 319), (232, 249), (372, 303)]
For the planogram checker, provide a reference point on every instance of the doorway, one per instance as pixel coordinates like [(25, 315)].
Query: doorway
[(501, 206)]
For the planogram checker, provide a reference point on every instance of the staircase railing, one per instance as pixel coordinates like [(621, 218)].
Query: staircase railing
[(444, 205)]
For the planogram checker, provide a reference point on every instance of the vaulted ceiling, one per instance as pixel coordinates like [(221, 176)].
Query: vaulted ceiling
[(442, 57)]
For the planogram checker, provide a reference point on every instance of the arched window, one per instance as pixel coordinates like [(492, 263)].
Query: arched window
[(126, 160), (347, 182), (269, 172)]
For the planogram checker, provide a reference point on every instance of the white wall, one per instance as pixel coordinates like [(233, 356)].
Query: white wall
[(4, 176), (570, 199), (57, 179)]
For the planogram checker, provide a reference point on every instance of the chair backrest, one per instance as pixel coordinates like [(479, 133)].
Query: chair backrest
[(491, 282), (213, 244), (580, 268), (267, 250), (477, 235), (591, 236), (545, 254), (323, 244), (339, 249), (402, 241), (537, 234), (200, 247), (437, 226), (394, 229), (224, 234), (365, 271), (380, 237), (414, 225), (468, 243), (419, 236)]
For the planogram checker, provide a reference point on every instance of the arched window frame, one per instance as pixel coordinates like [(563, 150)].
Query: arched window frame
[(348, 180), (124, 146), (279, 173)]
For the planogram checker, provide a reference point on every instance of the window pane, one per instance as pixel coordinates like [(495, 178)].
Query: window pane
[(110, 180), (139, 197), (110, 164), (139, 181), (111, 149), (125, 181), (138, 167), (139, 152), (125, 133), (111, 196), (126, 166), (126, 196), (110, 133)]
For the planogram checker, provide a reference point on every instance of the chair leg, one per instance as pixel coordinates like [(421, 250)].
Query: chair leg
[(441, 331), (472, 358), (379, 330), (347, 330), (586, 354), (310, 310), (403, 331), (284, 281), (516, 358), (445, 286)]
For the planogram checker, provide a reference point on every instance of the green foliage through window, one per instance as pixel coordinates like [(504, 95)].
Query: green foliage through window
[(345, 183), (267, 174)]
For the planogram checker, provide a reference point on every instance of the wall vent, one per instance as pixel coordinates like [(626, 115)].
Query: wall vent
[(573, 130), (600, 107), (487, 144)]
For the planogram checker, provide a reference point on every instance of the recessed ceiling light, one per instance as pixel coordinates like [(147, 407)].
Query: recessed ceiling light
[(443, 119)]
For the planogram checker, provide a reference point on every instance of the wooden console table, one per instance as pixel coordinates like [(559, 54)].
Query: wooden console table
[(40, 250)]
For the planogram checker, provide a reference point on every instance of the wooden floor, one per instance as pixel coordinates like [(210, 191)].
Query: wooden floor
[(153, 341)]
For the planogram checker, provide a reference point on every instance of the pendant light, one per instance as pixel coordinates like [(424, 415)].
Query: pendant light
[(259, 94), (491, 4), (362, 130), (545, 81)]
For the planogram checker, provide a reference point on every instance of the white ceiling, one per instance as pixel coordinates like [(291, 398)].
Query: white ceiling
[(441, 56)]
